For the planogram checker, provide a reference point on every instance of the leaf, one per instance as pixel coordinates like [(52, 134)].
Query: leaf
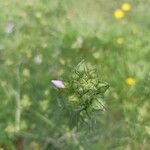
[(81, 67), (96, 105), (102, 87)]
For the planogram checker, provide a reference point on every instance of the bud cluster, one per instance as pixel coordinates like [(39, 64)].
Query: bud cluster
[(86, 90)]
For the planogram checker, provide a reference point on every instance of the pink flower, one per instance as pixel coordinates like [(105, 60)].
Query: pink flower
[(58, 84)]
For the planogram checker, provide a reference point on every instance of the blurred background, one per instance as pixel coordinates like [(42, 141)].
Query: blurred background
[(41, 40)]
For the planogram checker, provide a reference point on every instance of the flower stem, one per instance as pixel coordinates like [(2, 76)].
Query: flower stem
[(18, 105)]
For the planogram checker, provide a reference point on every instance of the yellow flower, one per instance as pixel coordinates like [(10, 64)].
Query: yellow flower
[(96, 55), (147, 129), (46, 92), (120, 40), (130, 81), (44, 104), (119, 14), (3, 83), (26, 72), (28, 54), (126, 7), (9, 62), (10, 128), (62, 61), (38, 14), (25, 102)]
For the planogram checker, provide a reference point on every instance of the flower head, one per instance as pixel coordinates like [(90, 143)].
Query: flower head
[(130, 81), (9, 28), (126, 7), (38, 59), (119, 14), (26, 72), (58, 84), (120, 40)]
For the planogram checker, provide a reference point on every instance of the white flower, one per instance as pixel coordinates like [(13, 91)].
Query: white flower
[(38, 59), (9, 28)]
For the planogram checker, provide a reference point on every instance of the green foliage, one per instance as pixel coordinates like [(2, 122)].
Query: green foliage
[(85, 88), (43, 40)]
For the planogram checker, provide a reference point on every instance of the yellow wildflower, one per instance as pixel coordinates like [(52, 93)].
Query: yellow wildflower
[(25, 102), (23, 125), (120, 40), (9, 62), (126, 7), (38, 14), (119, 14), (46, 92), (3, 83), (10, 128), (130, 81), (44, 104), (147, 129), (26, 72), (96, 55), (62, 61), (28, 54)]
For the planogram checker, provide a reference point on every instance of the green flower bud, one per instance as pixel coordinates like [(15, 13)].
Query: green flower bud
[(81, 68), (86, 97), (80, 90), (73, 101), (102, 87), (94, 81), (75, 76), (75, 85), (96, 105)]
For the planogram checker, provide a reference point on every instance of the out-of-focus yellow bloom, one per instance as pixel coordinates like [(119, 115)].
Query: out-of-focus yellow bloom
[(44, 104), (25, 102), (23, 125), (26, 72), (9, 62), (1, 148), (43, 22), (96, 55), (119, 14), (44, 45), (147, 128), (3, 83), (130, 81), (46, 92), (62, 61), (29, 54), (10, 128), (120, 40), (38, 14), (126, 7), (143, 112)]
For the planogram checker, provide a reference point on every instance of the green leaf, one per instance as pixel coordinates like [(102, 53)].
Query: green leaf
[(96, 105), (102, 87)]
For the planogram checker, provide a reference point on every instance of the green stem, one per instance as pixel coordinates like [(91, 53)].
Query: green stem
[(18, 105)]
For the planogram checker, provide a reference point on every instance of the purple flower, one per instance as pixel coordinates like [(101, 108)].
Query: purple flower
[(58, 84)]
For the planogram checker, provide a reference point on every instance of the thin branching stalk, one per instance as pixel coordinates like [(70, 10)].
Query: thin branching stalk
[(18, 103)]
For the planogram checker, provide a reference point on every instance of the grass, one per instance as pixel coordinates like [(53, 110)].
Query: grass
[(48, 39)]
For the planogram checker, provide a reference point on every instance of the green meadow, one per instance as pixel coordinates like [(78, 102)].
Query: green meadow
[(44, 40)]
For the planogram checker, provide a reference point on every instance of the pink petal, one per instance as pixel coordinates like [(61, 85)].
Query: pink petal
[(58, 84)]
